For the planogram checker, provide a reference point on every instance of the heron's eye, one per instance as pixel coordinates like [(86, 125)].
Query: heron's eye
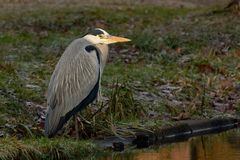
[(101, 36)]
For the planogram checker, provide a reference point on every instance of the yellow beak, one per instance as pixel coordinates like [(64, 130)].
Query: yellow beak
[(114, 39)]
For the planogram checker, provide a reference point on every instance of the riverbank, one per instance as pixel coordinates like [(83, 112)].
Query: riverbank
[(67, 148)]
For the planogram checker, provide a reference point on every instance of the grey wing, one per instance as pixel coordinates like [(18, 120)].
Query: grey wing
[(73, 85)]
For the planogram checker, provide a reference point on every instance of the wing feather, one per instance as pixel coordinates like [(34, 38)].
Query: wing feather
[(73, 85)]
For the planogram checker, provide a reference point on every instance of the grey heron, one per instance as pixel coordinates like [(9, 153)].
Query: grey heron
[(75, 82)]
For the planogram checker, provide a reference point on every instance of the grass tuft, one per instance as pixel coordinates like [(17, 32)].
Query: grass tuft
[(43, 148)]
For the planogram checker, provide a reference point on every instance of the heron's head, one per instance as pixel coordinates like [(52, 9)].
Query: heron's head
[(99, 36)]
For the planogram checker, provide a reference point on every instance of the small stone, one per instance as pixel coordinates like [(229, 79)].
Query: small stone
[(118, 146), (43, 34), (1, 134), (34, 87), (143, 140), (9, 126)]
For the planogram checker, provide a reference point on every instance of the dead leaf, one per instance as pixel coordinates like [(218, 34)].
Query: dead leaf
[(181, 116), (205, 68), (226, 84), (237, 53), (222, 70), (179, 50)]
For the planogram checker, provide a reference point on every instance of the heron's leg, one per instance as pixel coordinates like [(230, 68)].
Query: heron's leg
[(99, 96), (76, 127)]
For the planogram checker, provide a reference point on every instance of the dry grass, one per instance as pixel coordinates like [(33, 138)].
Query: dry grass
[(43, 148)]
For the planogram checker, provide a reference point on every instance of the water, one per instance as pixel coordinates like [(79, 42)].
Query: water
[(224, 146)]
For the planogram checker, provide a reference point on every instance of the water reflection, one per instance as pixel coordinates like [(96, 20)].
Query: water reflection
[(225, 146)]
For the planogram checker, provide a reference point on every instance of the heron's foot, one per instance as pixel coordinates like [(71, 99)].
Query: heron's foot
[(80, 126)]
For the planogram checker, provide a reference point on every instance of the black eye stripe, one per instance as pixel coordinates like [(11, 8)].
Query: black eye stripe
[(96, 32), (90, 48)]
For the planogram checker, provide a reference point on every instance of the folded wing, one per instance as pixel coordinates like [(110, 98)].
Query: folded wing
[(73, 85)]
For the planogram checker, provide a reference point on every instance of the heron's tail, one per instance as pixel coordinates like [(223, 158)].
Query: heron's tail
[(51, 123)]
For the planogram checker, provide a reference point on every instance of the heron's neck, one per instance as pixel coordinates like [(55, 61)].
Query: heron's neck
[(103, 48)]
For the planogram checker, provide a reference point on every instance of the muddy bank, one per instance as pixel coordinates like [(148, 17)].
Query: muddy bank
[(180, 132), (211, 147), (185, 130)]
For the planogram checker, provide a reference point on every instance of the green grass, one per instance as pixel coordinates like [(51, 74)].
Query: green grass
[(171, 58), (33, 40)]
